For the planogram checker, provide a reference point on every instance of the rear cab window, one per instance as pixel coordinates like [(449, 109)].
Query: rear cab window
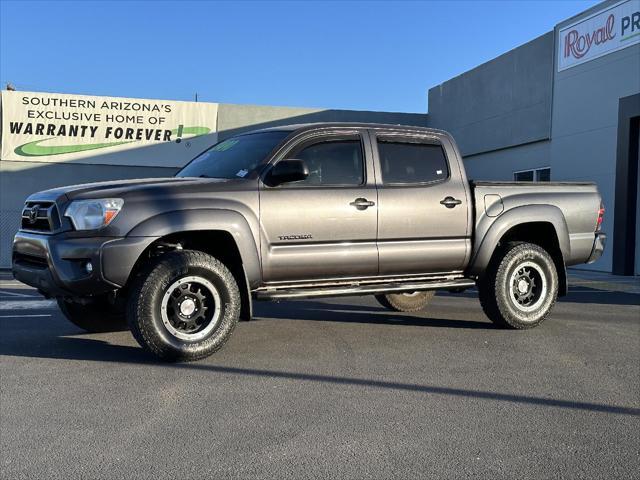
[(410, 161)]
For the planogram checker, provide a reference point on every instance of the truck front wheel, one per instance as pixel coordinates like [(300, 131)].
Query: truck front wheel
[(97, 316), (184, 307), (520, 287), (406, 302)]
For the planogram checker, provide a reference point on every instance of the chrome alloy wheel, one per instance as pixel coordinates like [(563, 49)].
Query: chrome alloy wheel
[(191, 308), (527, 286)]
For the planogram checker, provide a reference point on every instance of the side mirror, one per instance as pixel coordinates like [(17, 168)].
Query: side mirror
[(287, 170)]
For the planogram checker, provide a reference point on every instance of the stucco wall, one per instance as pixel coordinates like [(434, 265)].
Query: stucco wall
[(501, 103), (500, 164)]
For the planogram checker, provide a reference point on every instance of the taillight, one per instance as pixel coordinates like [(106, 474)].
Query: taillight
[(600, 218)]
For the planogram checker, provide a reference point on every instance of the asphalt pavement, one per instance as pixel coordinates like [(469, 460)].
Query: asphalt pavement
[(338, 388)]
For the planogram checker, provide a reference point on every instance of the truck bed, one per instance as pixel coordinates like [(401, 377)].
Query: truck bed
[(578, 202)]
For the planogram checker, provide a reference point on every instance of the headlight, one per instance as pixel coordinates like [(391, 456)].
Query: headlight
[(92, 214)]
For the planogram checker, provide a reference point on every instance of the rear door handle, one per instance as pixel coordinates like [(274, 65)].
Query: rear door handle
[(362, 203), (450, 202)]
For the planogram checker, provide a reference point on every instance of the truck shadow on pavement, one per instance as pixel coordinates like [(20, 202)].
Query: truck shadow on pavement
[(333, 312), (73, 348), (580, 294)]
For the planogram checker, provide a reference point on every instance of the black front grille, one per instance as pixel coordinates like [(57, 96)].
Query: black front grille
[(40, 217)]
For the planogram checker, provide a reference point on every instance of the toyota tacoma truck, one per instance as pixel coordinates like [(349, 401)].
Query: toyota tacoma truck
[(302, 211)]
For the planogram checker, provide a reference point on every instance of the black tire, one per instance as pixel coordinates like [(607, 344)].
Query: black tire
[(95, 317), (157, 329), (401, 302), (520, 287)]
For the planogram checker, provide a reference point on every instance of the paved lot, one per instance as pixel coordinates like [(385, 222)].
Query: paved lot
[(330, 389)]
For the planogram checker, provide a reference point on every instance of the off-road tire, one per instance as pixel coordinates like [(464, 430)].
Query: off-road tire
[(95, 317), (496, 292), (145, 303), (399, 302)]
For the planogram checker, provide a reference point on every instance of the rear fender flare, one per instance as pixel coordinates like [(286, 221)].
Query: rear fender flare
[(487, 245)]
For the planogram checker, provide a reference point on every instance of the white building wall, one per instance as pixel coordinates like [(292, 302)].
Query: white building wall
[(482, 109), (584, 123), (501, 164)]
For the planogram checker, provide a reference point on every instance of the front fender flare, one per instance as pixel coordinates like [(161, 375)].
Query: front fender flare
[(207, 220)]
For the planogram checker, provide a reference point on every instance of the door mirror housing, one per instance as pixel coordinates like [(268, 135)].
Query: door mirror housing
[(286, 171)]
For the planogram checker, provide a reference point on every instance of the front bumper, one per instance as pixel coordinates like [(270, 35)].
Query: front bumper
[(598, 247), (55, 264)]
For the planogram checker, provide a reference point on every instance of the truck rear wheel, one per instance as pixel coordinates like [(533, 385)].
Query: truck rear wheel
[(406, 302), (184, 307), (95, 317), (520, 288)]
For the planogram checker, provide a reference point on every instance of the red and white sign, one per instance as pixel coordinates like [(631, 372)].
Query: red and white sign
[(606, 31)]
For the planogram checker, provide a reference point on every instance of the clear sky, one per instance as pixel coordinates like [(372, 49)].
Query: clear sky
[(355, 55)]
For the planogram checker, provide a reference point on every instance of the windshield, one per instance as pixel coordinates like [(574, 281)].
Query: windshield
[(234, 157)]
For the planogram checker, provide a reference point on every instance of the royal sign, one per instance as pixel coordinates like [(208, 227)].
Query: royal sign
[(606, 31)]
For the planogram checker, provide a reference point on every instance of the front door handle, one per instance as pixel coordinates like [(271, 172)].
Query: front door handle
[(450, 202), (362, 203)]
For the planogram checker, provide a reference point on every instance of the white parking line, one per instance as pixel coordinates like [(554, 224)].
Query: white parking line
[(26, 316), (28, 305), (14, 294)]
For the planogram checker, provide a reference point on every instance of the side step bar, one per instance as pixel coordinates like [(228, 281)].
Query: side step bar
[(355, 289)]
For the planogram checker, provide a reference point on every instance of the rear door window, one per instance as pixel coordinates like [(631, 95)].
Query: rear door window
[(404, 162)]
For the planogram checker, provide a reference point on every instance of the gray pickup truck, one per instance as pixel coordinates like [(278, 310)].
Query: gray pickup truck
[(302, 211)]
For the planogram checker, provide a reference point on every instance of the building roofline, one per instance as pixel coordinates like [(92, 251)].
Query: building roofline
[(587, 12), (483, 64)]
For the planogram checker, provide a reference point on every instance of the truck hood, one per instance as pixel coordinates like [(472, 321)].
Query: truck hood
[(127, 188)]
